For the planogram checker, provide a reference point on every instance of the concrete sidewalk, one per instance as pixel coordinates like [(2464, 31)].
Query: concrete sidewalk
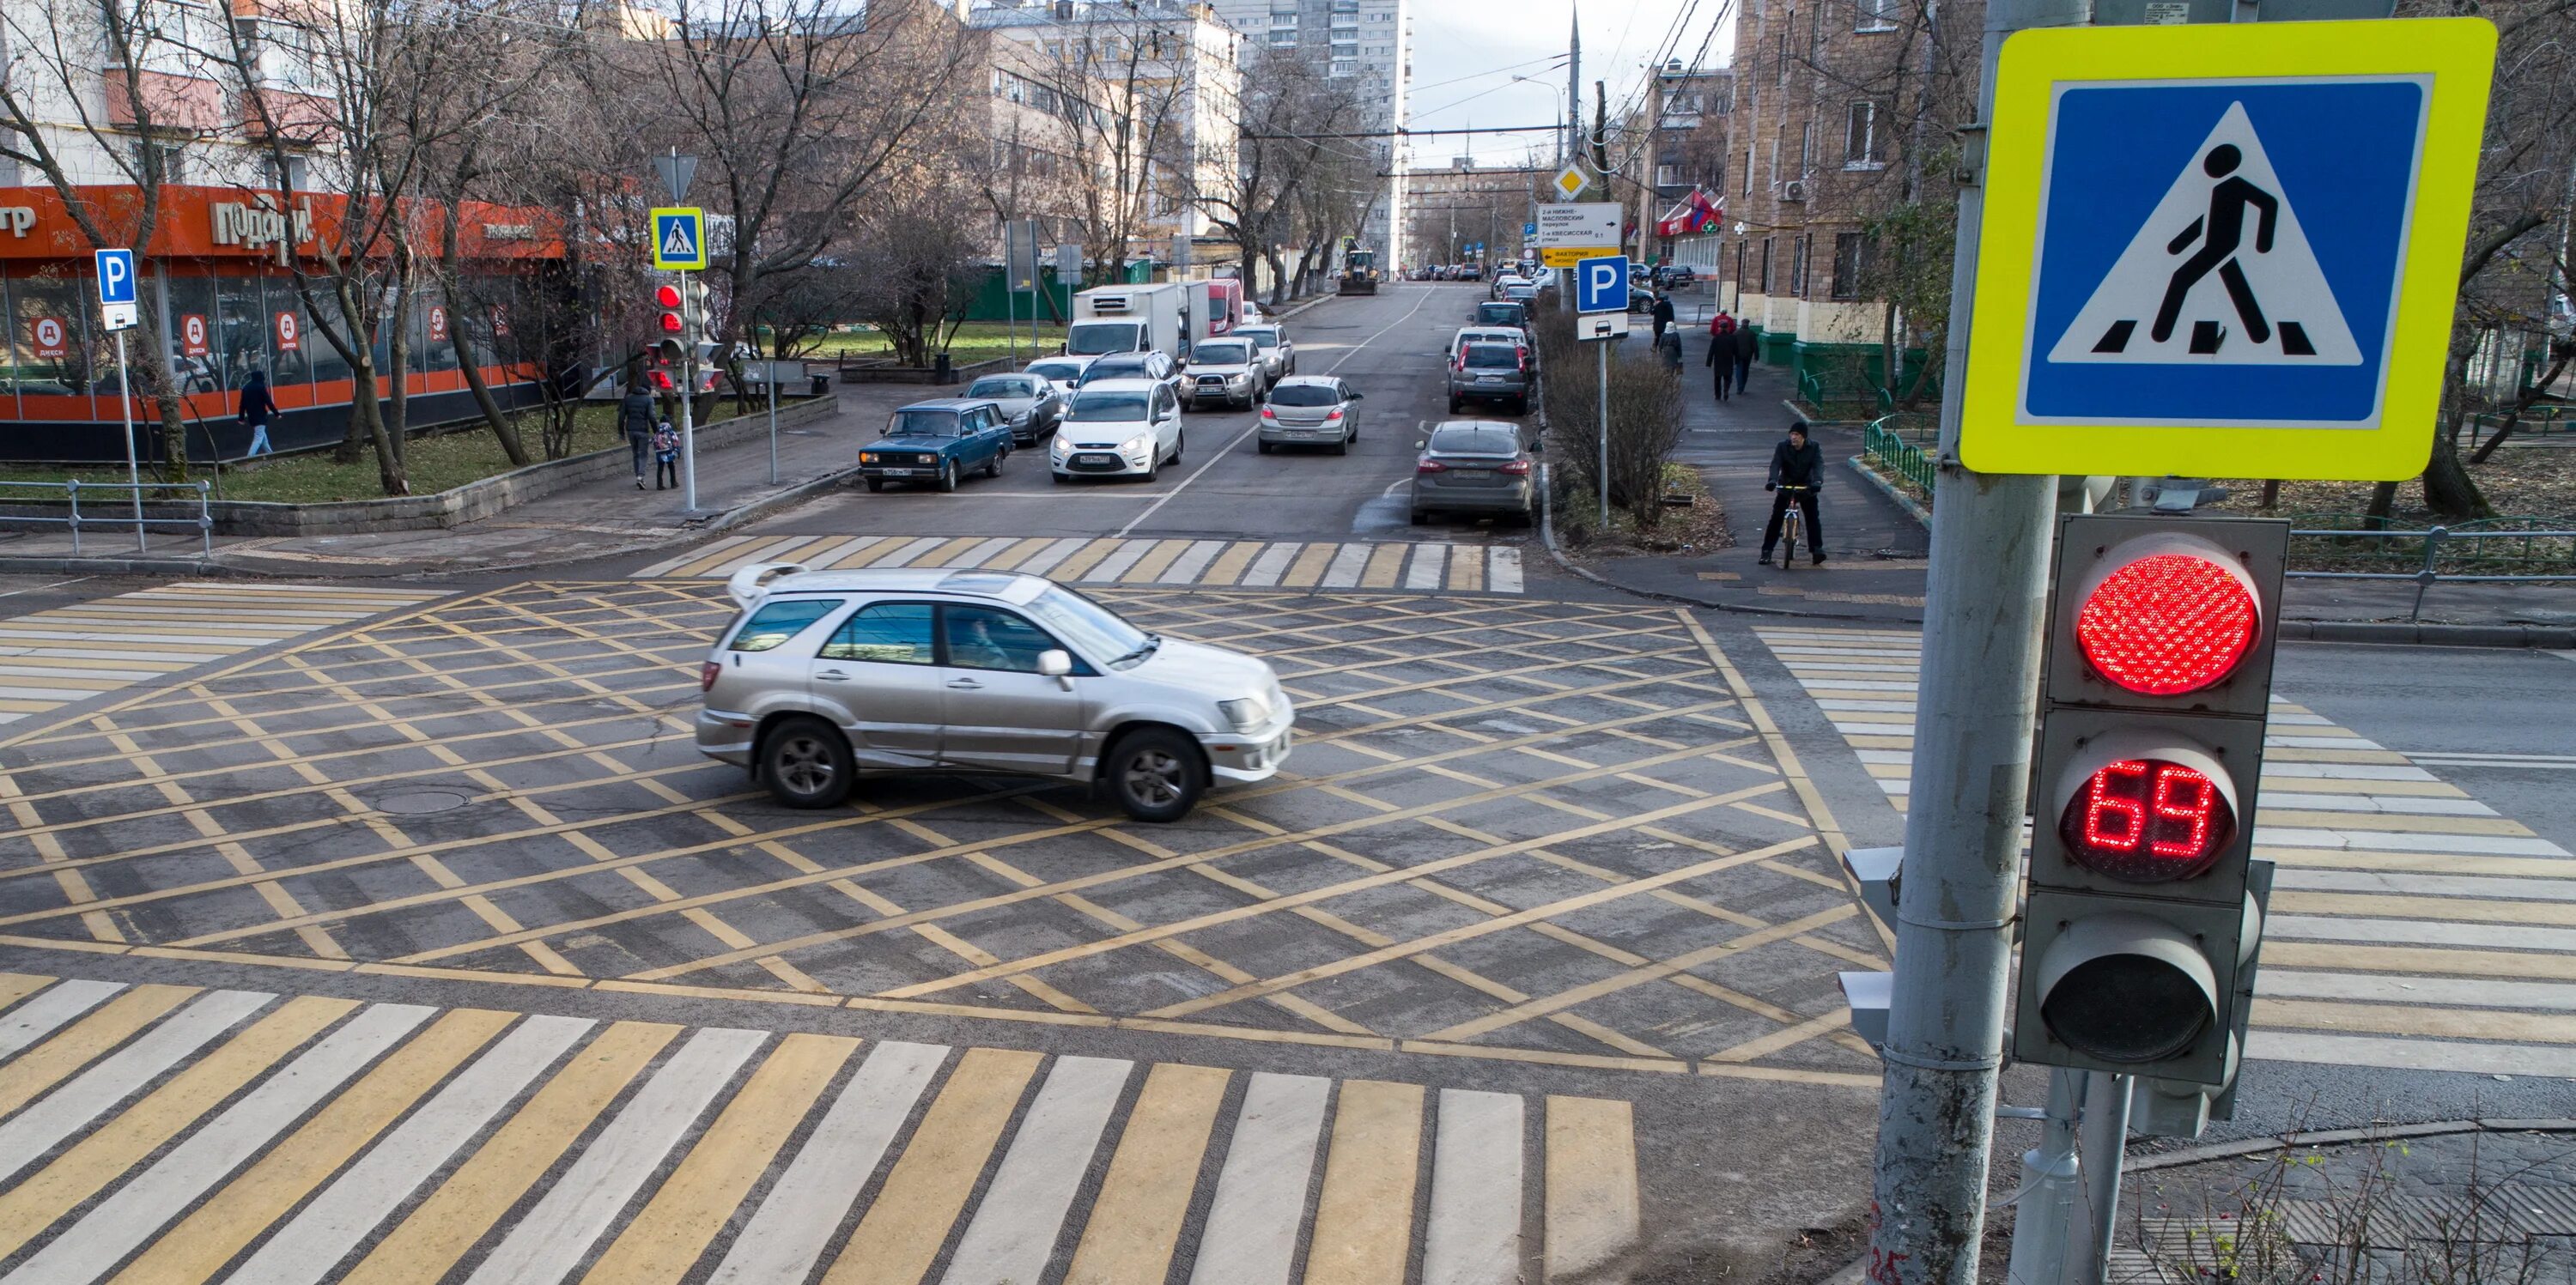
[(1877, 549), (594, 520)]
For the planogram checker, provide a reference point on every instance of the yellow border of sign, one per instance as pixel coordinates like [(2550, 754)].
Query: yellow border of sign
[(654, 226), (2459, 55)]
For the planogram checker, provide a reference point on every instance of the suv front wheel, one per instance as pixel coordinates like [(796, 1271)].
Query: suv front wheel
[(806, 763), (1156, 774)]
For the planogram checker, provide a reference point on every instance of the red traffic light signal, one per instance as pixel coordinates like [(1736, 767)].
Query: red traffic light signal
[(2167, 623), (666, 295)]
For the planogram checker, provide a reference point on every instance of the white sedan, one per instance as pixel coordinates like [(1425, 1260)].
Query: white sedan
[(1118, 428)]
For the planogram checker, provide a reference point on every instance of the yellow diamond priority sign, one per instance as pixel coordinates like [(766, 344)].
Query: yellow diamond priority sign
[(1570, 182), (2224, 250)]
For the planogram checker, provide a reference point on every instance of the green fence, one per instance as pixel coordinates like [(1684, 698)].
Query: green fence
[(1897, 443)]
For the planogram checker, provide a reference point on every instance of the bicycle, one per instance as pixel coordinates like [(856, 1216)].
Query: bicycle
[(1791, 525)]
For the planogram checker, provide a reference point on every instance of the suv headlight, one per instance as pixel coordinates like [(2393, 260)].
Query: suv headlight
[(1246, 714), (1137, 444)]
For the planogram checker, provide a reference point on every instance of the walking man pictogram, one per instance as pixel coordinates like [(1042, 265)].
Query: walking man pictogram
[(2221, 234)]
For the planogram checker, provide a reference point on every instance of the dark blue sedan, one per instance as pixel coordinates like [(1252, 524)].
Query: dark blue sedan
[(936, 443)]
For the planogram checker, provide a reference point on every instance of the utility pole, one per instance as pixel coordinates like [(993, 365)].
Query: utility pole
[(1978, 696), (1573, 147)]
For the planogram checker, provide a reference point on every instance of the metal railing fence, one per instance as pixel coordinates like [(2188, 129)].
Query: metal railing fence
[(130, 496)]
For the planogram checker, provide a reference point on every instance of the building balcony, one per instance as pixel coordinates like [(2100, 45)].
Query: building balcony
[(303, 119), (161, 101)]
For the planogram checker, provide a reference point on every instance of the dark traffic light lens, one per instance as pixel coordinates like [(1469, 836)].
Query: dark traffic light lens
[(2168, 624), (2147, 821), (2126, 1008)]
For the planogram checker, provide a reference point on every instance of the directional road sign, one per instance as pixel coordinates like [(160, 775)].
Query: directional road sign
[(1601, 285), (1589, 223), (680, 239), (2244, 268), (116, 288)]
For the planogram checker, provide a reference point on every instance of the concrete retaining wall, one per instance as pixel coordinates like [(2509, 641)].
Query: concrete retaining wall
[(471, 502)]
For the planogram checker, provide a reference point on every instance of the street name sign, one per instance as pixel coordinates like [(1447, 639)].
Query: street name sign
[(1601, 285), (1568, 256), (116, 299), (1587, 223), (680, 239), (2243, 267)]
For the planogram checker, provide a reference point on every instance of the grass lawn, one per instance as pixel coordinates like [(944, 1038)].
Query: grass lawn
[(975, 341), (436, 463)]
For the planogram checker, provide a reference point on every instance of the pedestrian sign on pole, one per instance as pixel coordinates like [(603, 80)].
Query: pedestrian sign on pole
[(116, 299), (2244, 268), (680, 239), (1601, 285)]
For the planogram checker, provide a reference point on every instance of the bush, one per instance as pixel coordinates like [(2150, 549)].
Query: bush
[(1645, 422)]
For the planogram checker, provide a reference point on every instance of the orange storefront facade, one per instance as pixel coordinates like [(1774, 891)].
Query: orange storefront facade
[(221, 270)]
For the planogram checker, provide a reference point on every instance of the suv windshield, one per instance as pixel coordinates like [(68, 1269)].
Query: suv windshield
[(922, 423), (1476, 440), (1010, 386), (1225, 354), (1304, 395), (1120, 367), (1090, 628), (1492, 357), (1499, 314), (1265, 338), (1091, 338), (1107, 405), (1060, 371)]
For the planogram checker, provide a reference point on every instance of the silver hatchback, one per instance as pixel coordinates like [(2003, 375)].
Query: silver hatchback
[(1310, 410), (826, 674)]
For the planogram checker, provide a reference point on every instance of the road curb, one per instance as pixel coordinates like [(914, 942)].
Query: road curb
[(114, 567), (2416, 634), (1913, 507)]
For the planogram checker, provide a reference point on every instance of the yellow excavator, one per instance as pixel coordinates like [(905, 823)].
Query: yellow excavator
[(1359, 272)]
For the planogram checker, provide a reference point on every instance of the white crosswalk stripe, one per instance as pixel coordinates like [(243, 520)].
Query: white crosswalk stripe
[(1426, 566), (492, 1147)]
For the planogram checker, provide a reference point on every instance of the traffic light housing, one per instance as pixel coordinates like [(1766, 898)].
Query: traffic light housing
[(2140, 929)]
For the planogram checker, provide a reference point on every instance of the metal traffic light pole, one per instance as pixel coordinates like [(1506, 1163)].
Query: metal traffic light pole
[(688, 400), (1978, 695)]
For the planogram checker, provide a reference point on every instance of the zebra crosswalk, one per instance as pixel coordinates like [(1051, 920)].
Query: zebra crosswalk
[(2412, 926), (166, 1134), (1416, 566), (54, 657)]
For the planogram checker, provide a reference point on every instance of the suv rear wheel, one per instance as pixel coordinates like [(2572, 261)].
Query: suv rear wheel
[(806, 763), (1156, 774)]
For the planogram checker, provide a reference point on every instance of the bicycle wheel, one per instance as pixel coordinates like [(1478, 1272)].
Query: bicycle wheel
[(1789, 536)]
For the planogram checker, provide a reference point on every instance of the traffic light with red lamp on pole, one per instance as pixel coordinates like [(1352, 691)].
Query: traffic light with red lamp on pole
[(2144, 912)]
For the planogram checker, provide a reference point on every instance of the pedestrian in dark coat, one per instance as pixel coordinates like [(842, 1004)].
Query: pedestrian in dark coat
[(257, 408), (636, 419), (1663, 313), (1746, 345), (1721, 352)]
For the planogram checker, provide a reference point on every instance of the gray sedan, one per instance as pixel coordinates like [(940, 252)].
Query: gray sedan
[(1031, 404), (825, 674), (1473, 467), (1310, 410)]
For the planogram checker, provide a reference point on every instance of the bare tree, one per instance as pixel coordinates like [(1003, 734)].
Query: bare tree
[(1289, 107)]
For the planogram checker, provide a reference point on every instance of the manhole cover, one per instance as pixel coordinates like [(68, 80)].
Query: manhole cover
[(417, 802)]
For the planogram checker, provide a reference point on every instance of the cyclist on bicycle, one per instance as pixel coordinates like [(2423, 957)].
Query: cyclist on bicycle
[(1797, 469)]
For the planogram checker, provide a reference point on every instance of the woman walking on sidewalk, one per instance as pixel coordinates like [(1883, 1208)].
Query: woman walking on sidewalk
[(635, 418), (1721, 350)]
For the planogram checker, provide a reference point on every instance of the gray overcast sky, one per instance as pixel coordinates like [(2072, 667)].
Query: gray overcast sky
[(1467, 52)]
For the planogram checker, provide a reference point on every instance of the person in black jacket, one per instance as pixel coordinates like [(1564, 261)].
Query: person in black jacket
[(1797, 463), (1662, 312), (636, 418), (257, 408), (1746, 345)]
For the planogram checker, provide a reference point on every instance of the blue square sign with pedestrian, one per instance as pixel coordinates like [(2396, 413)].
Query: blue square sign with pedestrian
[(2222, 253)]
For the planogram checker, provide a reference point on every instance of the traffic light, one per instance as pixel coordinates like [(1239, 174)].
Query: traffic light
[(2143, 919), (666, 297)]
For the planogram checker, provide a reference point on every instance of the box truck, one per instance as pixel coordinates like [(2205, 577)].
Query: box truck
[(1139, 318)]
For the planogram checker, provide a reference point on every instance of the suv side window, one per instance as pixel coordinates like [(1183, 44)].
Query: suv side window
[(988, 638), (776, 622), (892, 633)]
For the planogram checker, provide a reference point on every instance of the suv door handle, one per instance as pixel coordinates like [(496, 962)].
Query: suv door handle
[(832, 676), (965, 685)]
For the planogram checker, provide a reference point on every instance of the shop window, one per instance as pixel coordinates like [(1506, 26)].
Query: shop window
[(200, 371), (49, 346), (287, 365)]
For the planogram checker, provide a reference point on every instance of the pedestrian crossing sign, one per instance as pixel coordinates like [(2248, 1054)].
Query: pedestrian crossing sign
[(680, 239), (2245, 267)]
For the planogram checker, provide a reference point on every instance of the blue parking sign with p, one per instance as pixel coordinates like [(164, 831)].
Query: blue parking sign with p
[(1601, 285), (115, 276)]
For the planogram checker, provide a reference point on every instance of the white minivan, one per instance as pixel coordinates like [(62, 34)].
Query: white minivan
[(1118, 428)]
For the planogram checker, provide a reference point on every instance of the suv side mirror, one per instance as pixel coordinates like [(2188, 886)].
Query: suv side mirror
[(1057, 664)]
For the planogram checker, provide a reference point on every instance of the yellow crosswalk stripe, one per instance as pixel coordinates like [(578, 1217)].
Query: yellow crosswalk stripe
[(1020, 551), (1136, 1223), (902, 1232), (1156, 561), (18, 986), (1082, 560), (1436, 566), (124, 1142), (428, 1243), (195, 1249), (1592, 1198), (1364, 1223), (694, 1204), (1466, 572), (42, 1067), (1309, 566), (1384, 564)]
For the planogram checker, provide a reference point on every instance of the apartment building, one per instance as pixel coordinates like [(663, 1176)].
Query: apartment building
[(1066, 74), (1686, 116), (1814, 146), (1368, 39)]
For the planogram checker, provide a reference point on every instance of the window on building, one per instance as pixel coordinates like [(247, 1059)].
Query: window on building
[(1766, 265), (1851, 263), (1283, 37), (1874, 15), (1860, 139), (1798, 267), (1748, 171), (1667, 175), (1807, 149), (173, 158)]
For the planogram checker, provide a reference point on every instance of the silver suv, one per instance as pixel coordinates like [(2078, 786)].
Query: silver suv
[(826, 674)]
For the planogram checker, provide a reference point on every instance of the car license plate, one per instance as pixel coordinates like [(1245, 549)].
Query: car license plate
[(1095, 459), (1489, 379)]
